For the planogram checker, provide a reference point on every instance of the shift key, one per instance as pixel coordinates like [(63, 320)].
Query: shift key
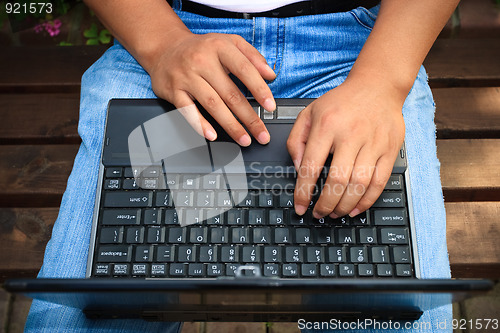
[(128, 199), (390, 200)]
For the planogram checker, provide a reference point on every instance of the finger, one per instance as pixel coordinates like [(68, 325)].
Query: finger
[(255, 57), (381, 175), (193, 116), (296, 143), (359, 182), (337, 179), (238, 104), (238, 64), (214, 105), (312, 164)]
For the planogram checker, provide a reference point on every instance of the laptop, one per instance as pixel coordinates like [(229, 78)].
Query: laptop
[(191, 230)]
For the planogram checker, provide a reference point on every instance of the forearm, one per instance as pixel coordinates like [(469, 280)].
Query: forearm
[(144, 28), (400, 40)]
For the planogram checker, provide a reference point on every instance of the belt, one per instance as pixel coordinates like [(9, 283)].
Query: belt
[(312, 7)]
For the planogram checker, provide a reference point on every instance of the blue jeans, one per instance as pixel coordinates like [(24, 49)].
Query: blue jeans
[(311, 55)]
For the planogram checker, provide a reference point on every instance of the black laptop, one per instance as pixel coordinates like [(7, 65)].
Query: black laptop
[(187, 229)]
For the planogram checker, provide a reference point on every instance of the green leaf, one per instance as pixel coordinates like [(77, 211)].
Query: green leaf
[(105, 36), (93, 41), (91, 32), (65, 44)]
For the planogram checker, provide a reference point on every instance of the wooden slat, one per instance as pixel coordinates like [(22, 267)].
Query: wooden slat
[(24, 233), (53, 118), (468, 224), (34, 175), (39, 118), (37, 175), (464, 63), (45, 68), (467, 112), (470, 169), (473, 233)]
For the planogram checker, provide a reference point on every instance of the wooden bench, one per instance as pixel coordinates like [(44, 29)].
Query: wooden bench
[(39, 101)]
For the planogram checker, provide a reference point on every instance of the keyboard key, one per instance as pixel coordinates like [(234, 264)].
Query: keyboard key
[(205, 199), (176, 235), (315, 254), (102, 270), (365, 270), (113, 172), (114, 253), (360, 219), (158, 270), (224, 199), (324, 235), (121, 217), (276, 217), (390, 217), (130, 184), (152, 217), (286, 199), (271, 270), (303, 236), (214, 270), (346, 270), (135, 235), (395, 182), (336, 254), (282, 236), (346, 236), (384, 270), (246, 199), (240, 235), (272, 254), (309, 270), (390, 200), (191, 216), (198, 235), (294, 254), (266, 199), (236, 217), (165, 253), (149, 183), (111, 235), (177, 270), (251, 254), (130, 199), (404, 270), (144, 253), (183, 199), (121, 269), (358, 254), (186, 253), (208, 253), (401, 255), (130, 172), (196, 270), (380, 254), (367, 236), (112, 184), (229, 254), (190, 182), (172, 181), (290, 270), (394, 235), (300, 220), (327, 270), (219, 235), (256, 216), (163, 199), (140, 269), (210, 182), (216, 216), (171, 217), (261, 235)]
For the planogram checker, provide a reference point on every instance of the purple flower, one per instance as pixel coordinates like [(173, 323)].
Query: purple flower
[(38, 28), (51, 28)]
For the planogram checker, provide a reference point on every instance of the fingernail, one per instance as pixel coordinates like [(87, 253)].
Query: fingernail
[(269, 104), (271, 70), (264, 137), (300, 210), (334, 216), (354, 212), (316, 215), (210, 135), (245, 140), (296, 165)]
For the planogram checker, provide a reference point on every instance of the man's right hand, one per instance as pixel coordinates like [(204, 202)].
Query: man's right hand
[(197, 67)]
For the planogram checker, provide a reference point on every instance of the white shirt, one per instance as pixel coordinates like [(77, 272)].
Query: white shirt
[(246, 6)]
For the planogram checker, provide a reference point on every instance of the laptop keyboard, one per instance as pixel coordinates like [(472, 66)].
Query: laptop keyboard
[(184, 227)]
